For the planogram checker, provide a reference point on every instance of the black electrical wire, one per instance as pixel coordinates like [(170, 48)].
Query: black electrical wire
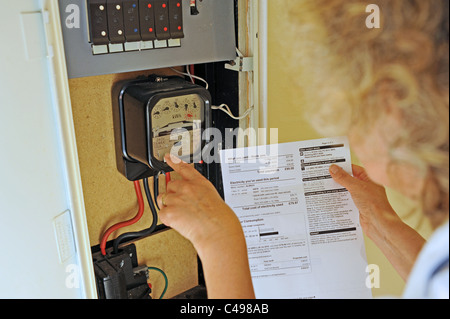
[(156, 188), (145, 232)]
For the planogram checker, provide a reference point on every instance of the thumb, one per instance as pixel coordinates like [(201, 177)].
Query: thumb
[(343, 178)]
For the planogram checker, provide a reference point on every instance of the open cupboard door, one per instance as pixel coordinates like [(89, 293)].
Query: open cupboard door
[(43, 227)]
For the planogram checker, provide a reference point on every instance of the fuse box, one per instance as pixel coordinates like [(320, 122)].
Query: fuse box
[(114, 36)]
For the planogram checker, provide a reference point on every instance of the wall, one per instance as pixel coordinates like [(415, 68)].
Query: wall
[(285, 113), (110, 198)]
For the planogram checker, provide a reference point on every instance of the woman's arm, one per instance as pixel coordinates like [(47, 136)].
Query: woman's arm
[(193, 207), (399, 243)]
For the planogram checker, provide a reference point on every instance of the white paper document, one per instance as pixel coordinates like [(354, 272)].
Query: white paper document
[(302, 228)]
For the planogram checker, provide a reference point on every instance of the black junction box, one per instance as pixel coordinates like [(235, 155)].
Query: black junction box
[(148, 114)]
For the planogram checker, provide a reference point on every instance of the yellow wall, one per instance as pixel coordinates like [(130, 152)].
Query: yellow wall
[(285, 113)]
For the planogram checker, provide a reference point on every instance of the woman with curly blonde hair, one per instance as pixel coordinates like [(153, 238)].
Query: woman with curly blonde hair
[(386, 88)]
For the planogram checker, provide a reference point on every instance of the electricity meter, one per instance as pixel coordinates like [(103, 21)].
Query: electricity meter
[(156, 116)]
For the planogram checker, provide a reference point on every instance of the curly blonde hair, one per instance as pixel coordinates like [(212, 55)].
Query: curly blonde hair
[(351, 75)]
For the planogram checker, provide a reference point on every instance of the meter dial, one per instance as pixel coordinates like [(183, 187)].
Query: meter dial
[(196, 106), (166, 108), (177, 105), (191, 106), (184, 104), (184, 108), (157, 113)]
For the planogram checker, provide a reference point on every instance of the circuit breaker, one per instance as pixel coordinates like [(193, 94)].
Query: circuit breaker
[(114, 36), (134, 24)]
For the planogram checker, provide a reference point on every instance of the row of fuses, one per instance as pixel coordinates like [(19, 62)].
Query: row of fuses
[(134, 21)]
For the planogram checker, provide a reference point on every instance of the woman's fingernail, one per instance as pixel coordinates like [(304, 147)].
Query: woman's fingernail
[(175, 159), (334, 169)]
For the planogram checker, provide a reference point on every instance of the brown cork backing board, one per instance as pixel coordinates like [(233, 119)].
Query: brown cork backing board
[(110, 198)]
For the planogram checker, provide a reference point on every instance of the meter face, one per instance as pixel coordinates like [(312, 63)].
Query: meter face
[(176, 126)]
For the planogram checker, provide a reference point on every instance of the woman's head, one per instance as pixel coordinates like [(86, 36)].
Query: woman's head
[(387, 88)]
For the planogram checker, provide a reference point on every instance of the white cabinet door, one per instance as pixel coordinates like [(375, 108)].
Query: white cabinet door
[(44, 242)]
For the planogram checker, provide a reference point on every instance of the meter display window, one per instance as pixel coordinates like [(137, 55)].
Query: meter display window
[(176, 124)]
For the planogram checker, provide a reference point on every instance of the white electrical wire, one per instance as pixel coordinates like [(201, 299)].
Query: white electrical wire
[(223, 107), (192, 77)]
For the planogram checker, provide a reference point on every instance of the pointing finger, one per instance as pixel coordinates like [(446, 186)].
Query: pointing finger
[(183, 169)]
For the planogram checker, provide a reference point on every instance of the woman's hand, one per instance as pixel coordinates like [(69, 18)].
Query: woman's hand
[(369, 197), (193, 207), (400, 243)]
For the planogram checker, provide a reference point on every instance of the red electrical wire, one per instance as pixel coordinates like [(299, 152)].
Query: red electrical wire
[(137, 187), (192, 70), (167, 178)]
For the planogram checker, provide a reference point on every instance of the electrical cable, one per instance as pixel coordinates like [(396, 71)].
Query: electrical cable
[(192, 77), (156, 186), (132, 221), (156, 189), (188, 71), (226, 109), (191, 70), (145, 232), (223, 107), (165, 279)]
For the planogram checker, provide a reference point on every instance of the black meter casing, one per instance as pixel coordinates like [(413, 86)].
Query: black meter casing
[(146, 114)]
